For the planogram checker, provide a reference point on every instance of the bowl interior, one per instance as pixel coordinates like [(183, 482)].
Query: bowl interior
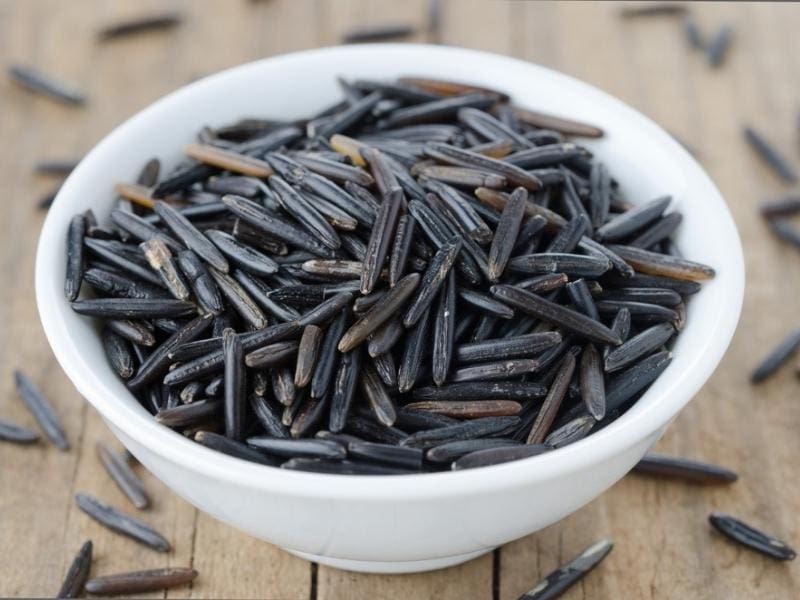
[(645, 160)]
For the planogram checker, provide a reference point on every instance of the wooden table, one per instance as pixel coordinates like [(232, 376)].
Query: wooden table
[(664, 546)]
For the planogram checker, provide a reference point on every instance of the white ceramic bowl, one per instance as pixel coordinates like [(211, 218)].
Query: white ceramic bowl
[(413, 522)]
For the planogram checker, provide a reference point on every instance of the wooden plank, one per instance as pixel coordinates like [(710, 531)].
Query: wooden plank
[(121, 77), (478, 25), (579, 39), (172, 517), (125, 75), (469, 580), (335, 20), (664, 545), (459, 27), (35, 481), (234, 564)]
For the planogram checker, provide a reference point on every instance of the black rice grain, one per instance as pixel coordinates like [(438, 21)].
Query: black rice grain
[(10, 432), (127, 308), (328, 356), (42, 411), (376, 395), (449, 451), (75, 260), (497, 455), (78, 573), (558, 315), (777, 357), (220, 443), (653, 9), (592, 384), (717, 48), (378, 33), (555, 396), (469, 409), (568, 574), (751, 537), (626, 385), (781, 208), (379, 313), (444, 330), (570, 432), (505, 235), (342, 467), (770, 155), (120, 522), (475, 428), (309, 448), (140, 25), (45, 85), (638, 346), (123, 475), (380, 239), (186, 415), (235, 385), (409, 458), (676, 467), (137, 582)]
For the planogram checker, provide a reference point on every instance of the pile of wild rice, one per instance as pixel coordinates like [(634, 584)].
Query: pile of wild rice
[(422, 276)]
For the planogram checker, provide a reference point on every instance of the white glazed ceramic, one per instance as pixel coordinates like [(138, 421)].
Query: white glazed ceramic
[(414, 522)]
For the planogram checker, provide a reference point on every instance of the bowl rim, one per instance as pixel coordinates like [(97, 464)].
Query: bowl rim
[(595, 448)]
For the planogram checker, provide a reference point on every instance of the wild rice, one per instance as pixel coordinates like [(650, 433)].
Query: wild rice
[(751, 537), (408, 244), (568, 574), (45, 85), (122, 523), (78, 573), (42, 411), (138, 582)]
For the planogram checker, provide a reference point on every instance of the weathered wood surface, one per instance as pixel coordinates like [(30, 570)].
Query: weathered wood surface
[(664, 546)]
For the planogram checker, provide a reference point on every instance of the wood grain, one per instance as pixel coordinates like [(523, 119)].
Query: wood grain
[(664, 546)]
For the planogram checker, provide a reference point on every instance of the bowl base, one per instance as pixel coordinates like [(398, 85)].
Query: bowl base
[(406, 566)]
